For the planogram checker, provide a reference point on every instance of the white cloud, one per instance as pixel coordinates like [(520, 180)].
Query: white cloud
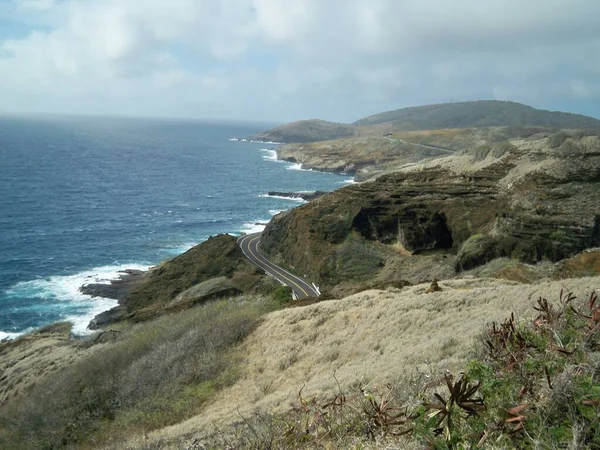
[(336, 59), (36, 4)]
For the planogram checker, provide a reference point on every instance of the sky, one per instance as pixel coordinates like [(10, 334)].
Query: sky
[(284, 60)]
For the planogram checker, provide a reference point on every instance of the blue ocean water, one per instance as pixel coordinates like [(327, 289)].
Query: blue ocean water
[(82, 198)]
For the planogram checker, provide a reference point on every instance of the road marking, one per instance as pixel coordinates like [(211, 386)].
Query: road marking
[(271, 269), (271, 265)]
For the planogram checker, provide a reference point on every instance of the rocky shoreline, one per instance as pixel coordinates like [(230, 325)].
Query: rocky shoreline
[(117, 290), (306, 196)]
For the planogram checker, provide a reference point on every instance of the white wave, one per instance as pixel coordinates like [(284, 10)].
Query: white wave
[(266, 142), (274, 212), (253, 227), (64, 291), (293, 199), (348, 181), (96, 306), (297, 166), (177, 250), (11, 336), (271, 155)]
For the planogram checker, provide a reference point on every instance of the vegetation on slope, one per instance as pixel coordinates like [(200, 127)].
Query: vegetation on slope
[(535, 384), (155, 374), (485, 113), (217, 257), (478, 114), (306, 131)]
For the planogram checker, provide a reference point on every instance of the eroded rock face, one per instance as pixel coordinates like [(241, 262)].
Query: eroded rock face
[(531, 204), (216, 267)]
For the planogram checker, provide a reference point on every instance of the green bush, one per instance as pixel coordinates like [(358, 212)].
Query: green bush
[(538, 381), (282, 295)]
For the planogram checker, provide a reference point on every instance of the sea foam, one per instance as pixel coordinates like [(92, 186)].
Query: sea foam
[(271, 155), (280, 197), (253, 227), (61, 292)]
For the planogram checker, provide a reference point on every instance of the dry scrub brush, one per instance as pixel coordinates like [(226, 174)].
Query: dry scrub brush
[(156, 374), (535, 384)]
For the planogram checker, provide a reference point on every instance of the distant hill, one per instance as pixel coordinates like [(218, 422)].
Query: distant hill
[(485, 113), (306, 131)]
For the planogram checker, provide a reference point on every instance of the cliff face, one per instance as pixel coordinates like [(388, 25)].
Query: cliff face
[(537, 201), (368, 155), (215, 268)]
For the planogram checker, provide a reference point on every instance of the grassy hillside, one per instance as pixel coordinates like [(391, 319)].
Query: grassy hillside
[(146, 377), (486, 113), (306, 131), (301, 359)]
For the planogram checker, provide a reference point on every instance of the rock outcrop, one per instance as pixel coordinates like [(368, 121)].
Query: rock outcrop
[(306, 196), (116, 289), (537, 201), (212, 269), (366, 156)]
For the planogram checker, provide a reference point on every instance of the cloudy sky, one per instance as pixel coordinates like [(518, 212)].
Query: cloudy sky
[(283, 60)]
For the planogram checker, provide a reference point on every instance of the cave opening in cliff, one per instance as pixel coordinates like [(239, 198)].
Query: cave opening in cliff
[(441, 232)]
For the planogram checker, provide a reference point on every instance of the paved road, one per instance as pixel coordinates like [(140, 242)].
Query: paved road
[(301, 287), (445, 150)]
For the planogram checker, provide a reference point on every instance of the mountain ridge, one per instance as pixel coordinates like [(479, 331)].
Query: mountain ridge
[(474, 114)]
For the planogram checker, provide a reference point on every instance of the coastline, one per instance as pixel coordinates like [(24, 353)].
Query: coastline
[(106, 293), (118, 289)]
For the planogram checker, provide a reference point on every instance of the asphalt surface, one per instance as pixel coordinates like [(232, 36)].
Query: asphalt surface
[(250, 247), (446, 150)]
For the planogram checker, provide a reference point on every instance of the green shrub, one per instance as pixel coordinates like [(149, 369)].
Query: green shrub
[(282, 295), (538, 381)]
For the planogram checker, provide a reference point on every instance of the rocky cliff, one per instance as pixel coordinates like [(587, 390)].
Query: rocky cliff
[(537, 199), (213, 269), (365, 155)]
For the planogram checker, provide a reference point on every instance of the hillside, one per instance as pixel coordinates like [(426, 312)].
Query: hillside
[(460, 227), (485, 113), (425, 220), (306, 131)]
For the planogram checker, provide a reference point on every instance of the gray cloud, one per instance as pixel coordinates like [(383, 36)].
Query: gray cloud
[(299, 58)]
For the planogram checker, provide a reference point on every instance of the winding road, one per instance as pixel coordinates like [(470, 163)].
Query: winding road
[(446, 150), (301, 287)]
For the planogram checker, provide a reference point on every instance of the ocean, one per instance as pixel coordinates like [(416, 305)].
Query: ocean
[(84, 198)]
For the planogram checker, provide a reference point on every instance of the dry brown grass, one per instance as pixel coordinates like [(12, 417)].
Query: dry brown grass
[(30, 358), (155, 374), (376, 336)]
